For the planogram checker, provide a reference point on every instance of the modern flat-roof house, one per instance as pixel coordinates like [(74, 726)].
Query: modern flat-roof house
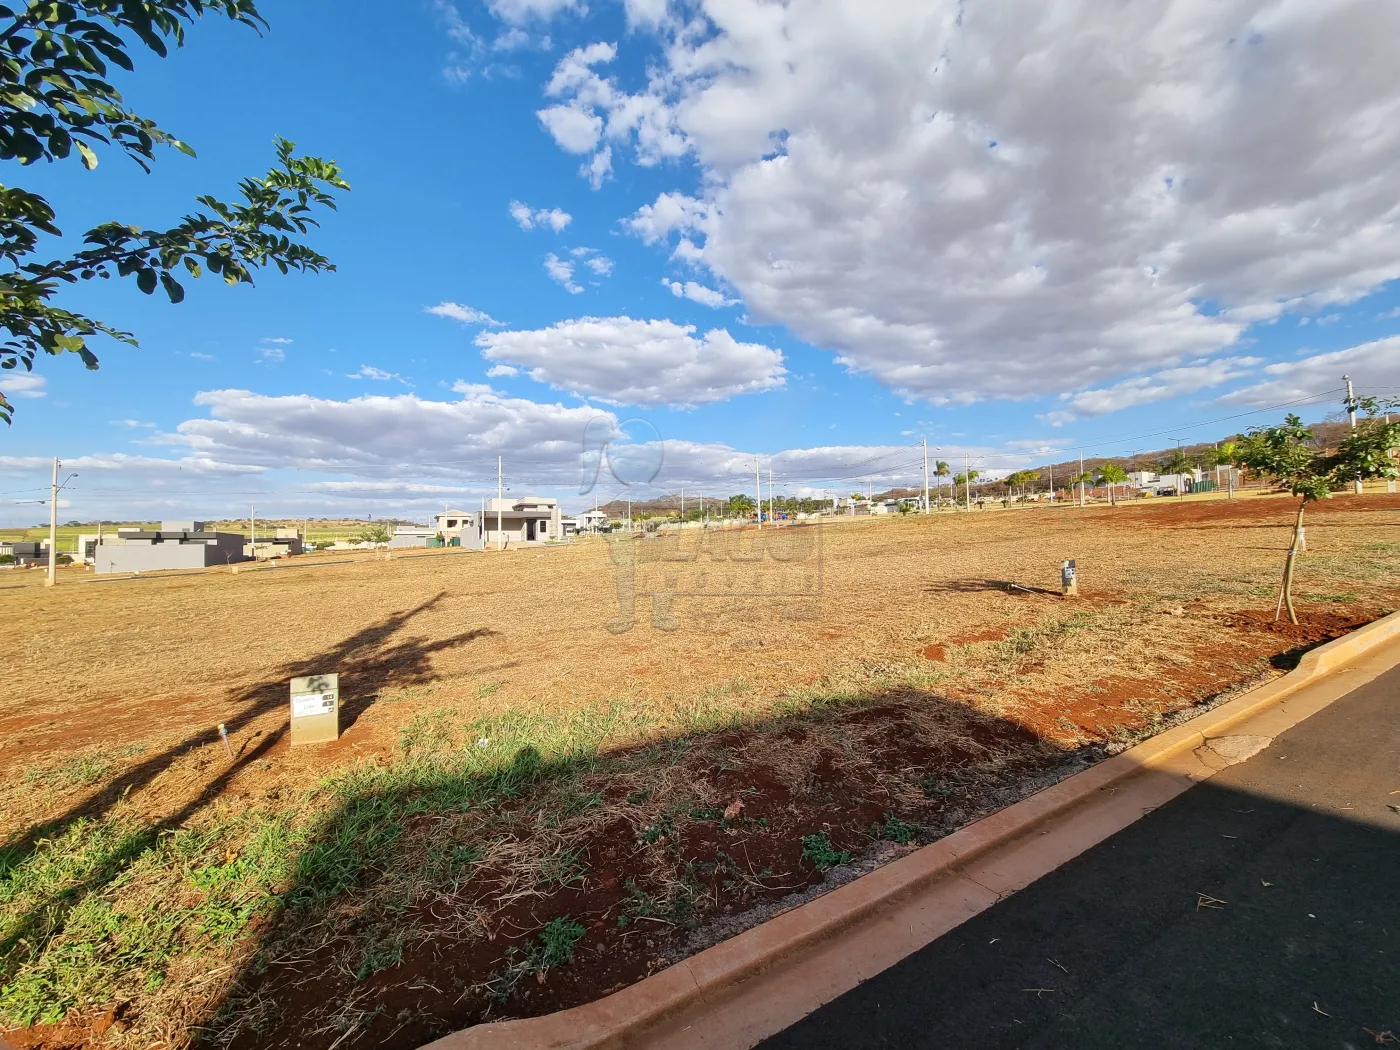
[(529, 520), (175, 545), (26, 552), (284, 543), (592, 521)]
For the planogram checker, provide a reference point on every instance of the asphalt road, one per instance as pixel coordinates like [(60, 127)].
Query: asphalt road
[(1259, 909)]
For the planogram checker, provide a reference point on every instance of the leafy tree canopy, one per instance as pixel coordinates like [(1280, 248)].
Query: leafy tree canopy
[(1290, 455), (56, 103)]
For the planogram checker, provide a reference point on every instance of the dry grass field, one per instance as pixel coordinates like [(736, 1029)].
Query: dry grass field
[(528, 806)]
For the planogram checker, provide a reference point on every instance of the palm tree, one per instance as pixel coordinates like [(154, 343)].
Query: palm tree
[(940, 471), (1081, 479), (1113, 474)]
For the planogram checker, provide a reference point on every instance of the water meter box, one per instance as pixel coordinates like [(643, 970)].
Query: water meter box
[(1069, 579), (315, 709)]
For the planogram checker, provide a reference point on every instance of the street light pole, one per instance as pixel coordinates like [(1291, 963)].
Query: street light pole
[(53, 527), (1351, 415), (925, 440)]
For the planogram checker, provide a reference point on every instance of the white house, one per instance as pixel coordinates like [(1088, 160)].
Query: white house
[(451, 522), (592, 521), (529, 520)]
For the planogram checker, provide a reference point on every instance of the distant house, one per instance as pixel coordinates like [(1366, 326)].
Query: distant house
[(175, 545), (529, 520), (26, 552), (284, 543), (450, 522), (592, 521), (411, 536)]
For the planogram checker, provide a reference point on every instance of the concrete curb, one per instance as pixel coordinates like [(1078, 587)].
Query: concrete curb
[(618, 1019)]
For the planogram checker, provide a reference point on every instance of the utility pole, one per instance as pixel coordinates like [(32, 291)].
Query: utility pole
[(252, 525), (1351, 415), (758, 485), (1390, 482), (682, 504), (53, 528), (1180, 485), (1052, 484), (771, 520), (1081, 477), (500, 500), (967, 481), (925, 440)]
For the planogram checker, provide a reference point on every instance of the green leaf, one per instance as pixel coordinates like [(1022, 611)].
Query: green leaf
[(172, 288), (146, 281), (89, 157)]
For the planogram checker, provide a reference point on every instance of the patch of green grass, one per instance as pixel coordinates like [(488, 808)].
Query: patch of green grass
[(933, 787), (895, 830), (82, 771), (561, 868), (554, 947), (1025, 640), (639, 905), (556, 943), (381, 953), (818, 849), (1346, 596), (97, 913)]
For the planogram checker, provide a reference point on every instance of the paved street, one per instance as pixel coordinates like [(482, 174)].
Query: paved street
[(1259, 909)]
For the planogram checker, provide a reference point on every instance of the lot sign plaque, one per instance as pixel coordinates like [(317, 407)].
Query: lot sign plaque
[(315, 709)]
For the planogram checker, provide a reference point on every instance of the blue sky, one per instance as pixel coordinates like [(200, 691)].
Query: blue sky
[(897, 225)]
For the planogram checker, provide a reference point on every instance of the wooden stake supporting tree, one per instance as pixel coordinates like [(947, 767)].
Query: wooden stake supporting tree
[(1288, 454)]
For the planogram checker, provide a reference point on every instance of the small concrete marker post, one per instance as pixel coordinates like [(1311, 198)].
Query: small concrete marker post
[(1069, 581), (315, 709)]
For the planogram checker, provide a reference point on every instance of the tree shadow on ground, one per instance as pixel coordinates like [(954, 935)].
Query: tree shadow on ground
[(981, 586), (369, 661), (420, 928)]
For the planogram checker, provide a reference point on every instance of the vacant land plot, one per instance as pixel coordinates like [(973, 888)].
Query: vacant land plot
[(535, 802)]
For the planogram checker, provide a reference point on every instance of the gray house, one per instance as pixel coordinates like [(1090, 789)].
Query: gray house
[(528, 521), (26, 552), (175, 545), (411, 536)]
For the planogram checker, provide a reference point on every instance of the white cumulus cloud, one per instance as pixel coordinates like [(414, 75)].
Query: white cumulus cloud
[(465, 314), (1169, 382), (698, 293), (562, 271), (1374, 368), (377, 374), (22, 384), (994, 200), (529, 218), (648, 363)]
